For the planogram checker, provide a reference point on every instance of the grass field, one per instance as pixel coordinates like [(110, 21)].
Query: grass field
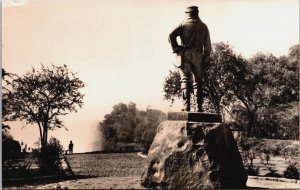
[(107, 165), (130, 164)]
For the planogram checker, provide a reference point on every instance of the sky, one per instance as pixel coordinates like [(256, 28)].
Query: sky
[(120, 48)]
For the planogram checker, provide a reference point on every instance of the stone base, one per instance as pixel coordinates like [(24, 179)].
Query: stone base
[(190, 154), (195, 117)]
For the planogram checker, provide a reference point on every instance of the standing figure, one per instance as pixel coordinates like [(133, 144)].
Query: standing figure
[(194, 53), (71, 147)]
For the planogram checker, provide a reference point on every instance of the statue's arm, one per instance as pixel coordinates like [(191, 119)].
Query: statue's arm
[(172, 39), (207, 44), (207, 48)]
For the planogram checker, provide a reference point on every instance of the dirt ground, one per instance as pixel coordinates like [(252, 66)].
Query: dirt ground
[(134, 183)]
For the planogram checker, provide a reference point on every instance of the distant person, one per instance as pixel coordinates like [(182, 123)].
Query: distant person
[(71, 145)]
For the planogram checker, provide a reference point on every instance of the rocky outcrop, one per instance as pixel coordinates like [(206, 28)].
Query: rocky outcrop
[(188, 154)]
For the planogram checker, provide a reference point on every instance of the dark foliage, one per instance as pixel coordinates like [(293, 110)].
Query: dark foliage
[(276, 151), (253, 171), (291, 172), (11, 149), (5, 99), (128, 125), (49, 157), (172, 87), (272, 173)]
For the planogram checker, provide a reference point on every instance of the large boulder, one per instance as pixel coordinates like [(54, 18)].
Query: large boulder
[(194, 154)]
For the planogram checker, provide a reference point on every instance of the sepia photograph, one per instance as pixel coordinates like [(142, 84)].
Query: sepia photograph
[(161, 94)]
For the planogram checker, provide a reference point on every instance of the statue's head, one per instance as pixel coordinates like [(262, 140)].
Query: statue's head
[(191, 12)]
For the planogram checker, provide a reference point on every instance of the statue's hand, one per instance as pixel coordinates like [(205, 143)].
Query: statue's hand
[(179, 50), (179, 57)]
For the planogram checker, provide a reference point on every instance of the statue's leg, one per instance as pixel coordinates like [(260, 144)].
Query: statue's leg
[(199, 95), (196, 60), (186, 86), (186, 94)]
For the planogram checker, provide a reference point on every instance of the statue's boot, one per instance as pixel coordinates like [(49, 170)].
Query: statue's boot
[(186, 96), (199, 96)]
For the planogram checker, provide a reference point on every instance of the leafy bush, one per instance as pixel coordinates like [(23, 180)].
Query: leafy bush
[(276, 151), (49, 159), (126, 124), (11, 149), (272, 173), (253, 171), (291, 172)]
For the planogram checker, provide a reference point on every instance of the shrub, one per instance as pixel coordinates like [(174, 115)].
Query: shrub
[(272, 173), (276, 151), (253, 171), (11, 149), (291, 172), (49, 159)]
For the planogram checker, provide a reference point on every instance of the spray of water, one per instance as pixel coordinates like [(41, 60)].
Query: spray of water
[(97, 144)]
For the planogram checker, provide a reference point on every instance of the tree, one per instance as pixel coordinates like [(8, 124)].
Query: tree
[(224, 72), (5, 99), (293, 66), (250, 90), (126, 124), (281, 121), (268, 83), (10, 147), (41, 96), (172, 87), (294, 55), (152, 120)]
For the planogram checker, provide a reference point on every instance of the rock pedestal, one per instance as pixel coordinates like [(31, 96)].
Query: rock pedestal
[(194, 150)]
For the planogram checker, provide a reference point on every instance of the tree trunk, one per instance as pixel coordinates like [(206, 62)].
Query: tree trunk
[(44, 136), (41, 134), (252, 124)]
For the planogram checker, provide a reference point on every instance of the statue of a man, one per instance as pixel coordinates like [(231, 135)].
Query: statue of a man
[(194, 53)]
